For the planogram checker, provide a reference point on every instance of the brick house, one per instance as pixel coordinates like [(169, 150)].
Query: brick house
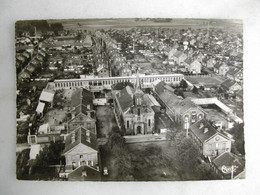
[(235, 74), (193, 66), (229, 166), (182, 111), (179, 57), (81, 149), (210, 142), (230, 86), (221, 68), (82, 112)]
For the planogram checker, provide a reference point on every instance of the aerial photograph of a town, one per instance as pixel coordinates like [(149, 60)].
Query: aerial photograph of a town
[(129, 99)]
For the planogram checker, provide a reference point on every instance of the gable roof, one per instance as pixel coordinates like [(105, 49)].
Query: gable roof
[(233, 71), (125, 98), (228, 83), (177, 54), (228, 159), (82, 101), (189, 60), (91, 174), (81, 137), (219, 64), (203, 130)]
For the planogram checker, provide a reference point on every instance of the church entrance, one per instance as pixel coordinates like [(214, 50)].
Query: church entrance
[(139, 130)]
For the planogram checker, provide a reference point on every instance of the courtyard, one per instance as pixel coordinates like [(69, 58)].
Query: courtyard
[(105, 121)]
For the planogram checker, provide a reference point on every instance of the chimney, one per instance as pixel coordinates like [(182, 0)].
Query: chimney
[(206, 130), (84, 173), (87, 136), (201, 125), (73, 137)]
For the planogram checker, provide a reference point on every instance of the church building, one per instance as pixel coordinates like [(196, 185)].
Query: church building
[(132, 110)]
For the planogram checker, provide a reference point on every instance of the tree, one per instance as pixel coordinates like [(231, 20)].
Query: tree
[(195, 90), (22, 168), (56, 27), (238, 132), (49, 155), (183, 84)]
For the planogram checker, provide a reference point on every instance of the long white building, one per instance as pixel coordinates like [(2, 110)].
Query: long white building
[(98, 84)]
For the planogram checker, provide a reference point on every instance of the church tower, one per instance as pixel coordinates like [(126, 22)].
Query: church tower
[(138, 92)]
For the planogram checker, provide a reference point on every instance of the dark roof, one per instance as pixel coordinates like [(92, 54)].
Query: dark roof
[(177, 54), (80, 137), (240, 93), (218, 65), (91, 174), (125, 98), (203, 130), (82, 101), (189, 60), (228, 159), (228, 83), (233, 71), (159, 87)]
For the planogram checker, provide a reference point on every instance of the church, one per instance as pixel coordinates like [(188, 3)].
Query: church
[(133, 112)]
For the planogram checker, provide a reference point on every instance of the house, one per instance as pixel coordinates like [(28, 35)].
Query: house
[(81, 149), (40, 108), (47, 97), (25, 74), (210, 142), (230, 86), (171, 53), (179, 57), (239, 95), (221, 68), (235, 74), (229, 166), (125, 71), (132, 110), (182, 111), (210, 63), (44, 129), (82, 112), (103, 71), (193, 66)]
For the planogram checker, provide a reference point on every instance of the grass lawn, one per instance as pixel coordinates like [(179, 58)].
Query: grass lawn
[(106, 120)]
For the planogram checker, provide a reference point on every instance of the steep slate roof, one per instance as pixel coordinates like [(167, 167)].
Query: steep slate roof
[(228, 159), (199, 127), (82, 101), (82, 97), (80, 137), (125, 98)]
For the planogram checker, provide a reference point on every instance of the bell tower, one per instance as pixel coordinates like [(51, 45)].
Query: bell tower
[(138, 92)]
